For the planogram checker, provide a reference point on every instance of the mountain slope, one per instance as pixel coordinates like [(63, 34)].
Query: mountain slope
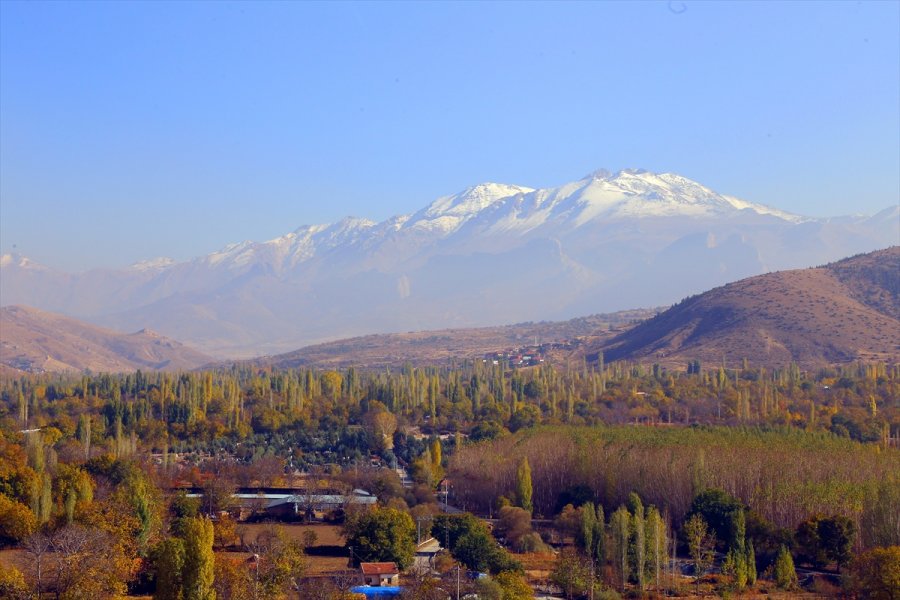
[(451, 345), (845, 311), (484, 256), (37, 341)]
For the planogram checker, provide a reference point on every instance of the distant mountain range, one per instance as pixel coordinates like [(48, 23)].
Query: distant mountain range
[(489, 255), (842, 312), (35, 341), (838, 313)]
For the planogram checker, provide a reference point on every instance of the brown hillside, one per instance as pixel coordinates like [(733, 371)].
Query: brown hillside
[(37, 341), (448, 345), (845, 311)]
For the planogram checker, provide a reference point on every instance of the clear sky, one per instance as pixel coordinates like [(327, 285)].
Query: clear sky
[(130, 130)]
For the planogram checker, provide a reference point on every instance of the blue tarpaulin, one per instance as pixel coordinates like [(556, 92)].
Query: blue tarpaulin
[(371, 591)]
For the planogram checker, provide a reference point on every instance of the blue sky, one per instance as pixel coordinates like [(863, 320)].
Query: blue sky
[(135, 130)]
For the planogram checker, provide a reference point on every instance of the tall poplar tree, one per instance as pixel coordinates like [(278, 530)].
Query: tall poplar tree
[(524, 491), (199, 570)]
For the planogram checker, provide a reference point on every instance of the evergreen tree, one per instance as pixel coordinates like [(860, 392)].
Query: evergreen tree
[(750, 560), (785, 574)]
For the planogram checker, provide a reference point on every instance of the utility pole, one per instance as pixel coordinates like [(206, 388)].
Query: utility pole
[(458, 567)]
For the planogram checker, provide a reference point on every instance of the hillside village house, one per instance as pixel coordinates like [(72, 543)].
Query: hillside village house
[(380, 574)]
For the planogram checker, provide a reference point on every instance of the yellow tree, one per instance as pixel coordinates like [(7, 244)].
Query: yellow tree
[(198, 572)]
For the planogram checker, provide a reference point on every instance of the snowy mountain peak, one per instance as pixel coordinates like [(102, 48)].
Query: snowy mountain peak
[(473, 199), (153, 264), (22, 262)]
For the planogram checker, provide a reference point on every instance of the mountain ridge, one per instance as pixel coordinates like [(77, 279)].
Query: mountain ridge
[(481, 257), (33, 340), (836, 313)]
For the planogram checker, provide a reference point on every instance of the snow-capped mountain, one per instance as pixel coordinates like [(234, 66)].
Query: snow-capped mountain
[(491, 254)]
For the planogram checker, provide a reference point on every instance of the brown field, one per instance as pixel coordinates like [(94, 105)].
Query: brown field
[(326, 535)]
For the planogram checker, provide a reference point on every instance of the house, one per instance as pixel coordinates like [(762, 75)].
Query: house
[(380, 573), (425, 553)]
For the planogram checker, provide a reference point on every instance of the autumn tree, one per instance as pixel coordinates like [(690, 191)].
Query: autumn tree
[(876, 574), (199, 566), (657, 544), (17, 521), (700, 545)]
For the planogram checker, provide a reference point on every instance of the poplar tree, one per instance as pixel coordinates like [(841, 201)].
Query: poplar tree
[(657, 543), (524, 490), (638, 538), (588, 524), (198, 571), (620, 533)]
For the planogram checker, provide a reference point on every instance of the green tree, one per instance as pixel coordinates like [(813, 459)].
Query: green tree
[(750, 561), (524, 490), (168, 565), (718, 509), (785, 574), (821, 540), (585, 537), (513, 586), (382, 535), (620, 536), (199, 561), (572, 573), (638, 542)]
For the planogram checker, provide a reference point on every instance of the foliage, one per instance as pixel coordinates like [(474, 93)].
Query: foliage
[(513, 586), (572, 573), (382, 535), (514, 525), (199, 568), (524, 490), (821, 540), (718, 509), (17, 521), (783, 476), (699, 543), (876, 574), (168, 565), (12, 584), (785, 574)]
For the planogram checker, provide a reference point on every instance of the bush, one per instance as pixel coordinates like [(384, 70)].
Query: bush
[(876, 574)]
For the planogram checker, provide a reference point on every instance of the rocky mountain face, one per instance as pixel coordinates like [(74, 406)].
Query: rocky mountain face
[(489, 255)]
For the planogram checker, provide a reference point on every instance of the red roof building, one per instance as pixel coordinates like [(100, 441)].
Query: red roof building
[(380, 573)]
